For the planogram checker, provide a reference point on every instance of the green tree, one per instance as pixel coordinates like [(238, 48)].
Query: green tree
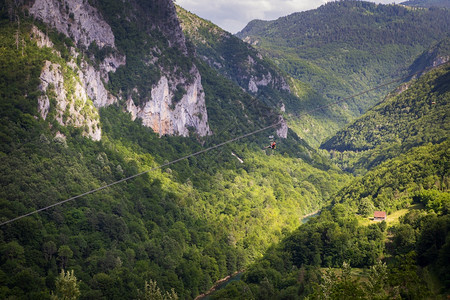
[(13, 251), (153, 292), (366, 207), (64, 254), (67, 287), (49, 248), (404, 277), (375, 286), (404, 238)]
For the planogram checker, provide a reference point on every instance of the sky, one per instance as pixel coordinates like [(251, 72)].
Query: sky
[(233, 15)]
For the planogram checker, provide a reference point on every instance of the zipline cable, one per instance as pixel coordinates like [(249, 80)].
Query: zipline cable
[(141, 173), (213, 147)]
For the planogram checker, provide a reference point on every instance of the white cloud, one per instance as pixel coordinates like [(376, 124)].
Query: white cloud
[(233, 15)]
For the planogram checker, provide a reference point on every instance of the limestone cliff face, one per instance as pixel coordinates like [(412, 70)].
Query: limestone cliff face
[(83, 23), (257, 79), (282, 130), (76, 19), (42, 40), (88, 83), (168, 118), (93, 79), (70, 108), (262, 80)]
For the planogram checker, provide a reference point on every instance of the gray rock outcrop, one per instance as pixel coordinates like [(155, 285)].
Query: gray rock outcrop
[(168, 118), (74, 108), (76, 19)]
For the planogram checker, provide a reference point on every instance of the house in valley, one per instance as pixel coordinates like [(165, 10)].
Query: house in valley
[(379, 215)]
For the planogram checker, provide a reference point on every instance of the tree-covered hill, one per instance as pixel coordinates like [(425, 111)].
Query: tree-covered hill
[(234, 59), (259, 76), (393, 184), (334, 257), (345, 47), (183, 226), (342, 253), (432, 57), (416, 114), (427, 3)]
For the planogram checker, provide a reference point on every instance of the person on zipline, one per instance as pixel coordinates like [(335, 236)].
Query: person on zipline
[(272, 146)]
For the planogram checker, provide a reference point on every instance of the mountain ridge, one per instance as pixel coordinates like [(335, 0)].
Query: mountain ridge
[(344, 252), (343, 48), (405, 119)]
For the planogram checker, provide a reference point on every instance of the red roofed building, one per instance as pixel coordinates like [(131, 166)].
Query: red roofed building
[(379, 215)]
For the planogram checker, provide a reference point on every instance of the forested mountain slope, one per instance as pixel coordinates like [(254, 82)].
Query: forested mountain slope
[(393, 184), (427, 3), (416, 114), (345, 47), (76, 109), (432, 57), (333, 256), (234, 59), (342, 254), (259, 76)]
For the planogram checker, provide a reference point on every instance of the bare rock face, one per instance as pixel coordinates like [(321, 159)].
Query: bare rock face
[(82, 22), (93, 80), (282, 131), (253, 84), (71, 108), (440, 60), (168, 118), (52, 84), (76, 19), (265, 80), (41, 38)]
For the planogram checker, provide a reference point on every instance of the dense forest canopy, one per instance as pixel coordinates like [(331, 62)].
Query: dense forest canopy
[(183, 227), (345, 47), (404, 120), (427, 3), (174, 231), (341, 254)]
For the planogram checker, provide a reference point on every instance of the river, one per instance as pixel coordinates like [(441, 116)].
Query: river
[(306, 218), (220, 284)]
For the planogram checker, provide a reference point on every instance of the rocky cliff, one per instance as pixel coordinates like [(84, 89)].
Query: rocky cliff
[(230, 56), (72, 105), (167, 117), (76, 19), (164, 109)]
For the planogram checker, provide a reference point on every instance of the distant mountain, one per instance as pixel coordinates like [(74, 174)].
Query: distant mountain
[(416, 114), (344, 47), (259, 76), (408, 136), (427, 3), (232, 58)]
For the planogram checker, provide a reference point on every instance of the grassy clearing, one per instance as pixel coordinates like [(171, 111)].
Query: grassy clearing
[(392, 219)]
